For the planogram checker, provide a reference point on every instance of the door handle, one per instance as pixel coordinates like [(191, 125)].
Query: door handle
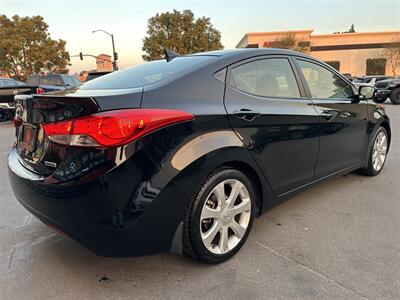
[(329, 115), (246, 114)]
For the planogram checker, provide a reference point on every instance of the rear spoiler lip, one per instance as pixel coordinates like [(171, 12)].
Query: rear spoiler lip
[(33, 103), (83, 93)]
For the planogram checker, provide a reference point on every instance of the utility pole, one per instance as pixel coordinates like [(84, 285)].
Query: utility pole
[(115, 54)]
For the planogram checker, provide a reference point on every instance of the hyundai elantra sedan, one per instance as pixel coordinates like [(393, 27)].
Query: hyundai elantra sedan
[(181, 154)]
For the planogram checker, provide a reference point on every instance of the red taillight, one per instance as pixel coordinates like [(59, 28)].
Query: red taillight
[(16, 122), (39, 91), (112, 128)]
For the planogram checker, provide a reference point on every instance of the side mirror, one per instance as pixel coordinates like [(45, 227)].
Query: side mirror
[(366, 92)]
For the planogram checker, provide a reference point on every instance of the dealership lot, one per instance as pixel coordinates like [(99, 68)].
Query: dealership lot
[(340, 239)]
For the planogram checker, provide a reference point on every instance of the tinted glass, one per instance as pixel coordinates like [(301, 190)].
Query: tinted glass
[(32, 80), (323, 83), (148, 73), (69, 81), (52, 80), (271, 77)]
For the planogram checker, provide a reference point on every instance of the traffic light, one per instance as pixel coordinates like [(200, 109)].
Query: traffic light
[(81, 55), (115, 56)]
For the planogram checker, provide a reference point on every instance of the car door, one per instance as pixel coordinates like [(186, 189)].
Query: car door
[(268, 110), (343, 120)]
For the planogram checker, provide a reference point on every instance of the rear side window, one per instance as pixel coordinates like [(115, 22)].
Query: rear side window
[(147, 73), (272, 77), (324, 84)]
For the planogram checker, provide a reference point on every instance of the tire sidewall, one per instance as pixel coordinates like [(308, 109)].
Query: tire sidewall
[(197, 244), (395, 96)]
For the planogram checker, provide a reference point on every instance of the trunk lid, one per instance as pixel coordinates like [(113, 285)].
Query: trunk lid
[(35, 151)]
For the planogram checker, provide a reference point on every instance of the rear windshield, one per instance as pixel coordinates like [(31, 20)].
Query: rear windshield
[(45, 80), (32, 80), (145, 74)]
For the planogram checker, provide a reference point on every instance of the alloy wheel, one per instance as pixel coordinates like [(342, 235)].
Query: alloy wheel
[(379, 151), (225, 216)]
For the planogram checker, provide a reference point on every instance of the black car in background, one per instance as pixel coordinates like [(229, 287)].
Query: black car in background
[(389, 88), (8, 89), (53, 82), (370, 80), (35, 84), (9, 82), (181, 154), (94, 75)]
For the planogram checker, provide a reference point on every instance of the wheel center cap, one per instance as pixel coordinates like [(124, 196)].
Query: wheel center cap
[(227, 217)]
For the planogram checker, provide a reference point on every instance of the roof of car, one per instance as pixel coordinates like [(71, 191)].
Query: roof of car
[(247, 51), (226, 57)]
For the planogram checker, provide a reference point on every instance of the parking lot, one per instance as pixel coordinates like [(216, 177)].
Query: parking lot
[(338, 240)]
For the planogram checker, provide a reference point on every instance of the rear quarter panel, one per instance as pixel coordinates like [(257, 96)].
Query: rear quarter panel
[(190, 152)]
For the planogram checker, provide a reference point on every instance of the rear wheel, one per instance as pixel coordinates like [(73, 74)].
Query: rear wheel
[(395, 96), (377, 153), (219, 216)]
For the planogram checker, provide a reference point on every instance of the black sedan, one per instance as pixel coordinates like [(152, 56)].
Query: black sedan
[(181, 154)]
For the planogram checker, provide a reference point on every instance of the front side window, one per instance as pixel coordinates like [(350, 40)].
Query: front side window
[(324, 84), (272, 77)]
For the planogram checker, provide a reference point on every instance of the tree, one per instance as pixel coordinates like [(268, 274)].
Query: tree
[(26, 48), (392, 53), (351, 30), (179, 32), (289, 41)]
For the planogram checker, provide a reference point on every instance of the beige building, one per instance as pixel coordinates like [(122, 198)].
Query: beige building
[(359, 53), (104, 63)]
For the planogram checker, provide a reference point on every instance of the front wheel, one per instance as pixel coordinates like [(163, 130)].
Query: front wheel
[(395, 96), (377, 153), (219, 216)]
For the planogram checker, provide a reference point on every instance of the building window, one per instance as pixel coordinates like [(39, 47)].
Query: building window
[(304, 44), (334, 64), (376, 66)]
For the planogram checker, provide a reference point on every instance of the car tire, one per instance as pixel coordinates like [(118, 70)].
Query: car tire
[(379, 100), (218, 238), (372, 167), (395, 96)]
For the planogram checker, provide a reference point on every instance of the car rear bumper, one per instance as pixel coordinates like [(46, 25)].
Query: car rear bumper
[(125, 212)]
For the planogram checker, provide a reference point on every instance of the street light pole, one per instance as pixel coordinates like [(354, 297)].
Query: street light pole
[(115, 67), (115, 54)]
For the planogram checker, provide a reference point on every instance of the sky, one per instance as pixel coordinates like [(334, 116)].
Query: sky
[(74, 20)]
